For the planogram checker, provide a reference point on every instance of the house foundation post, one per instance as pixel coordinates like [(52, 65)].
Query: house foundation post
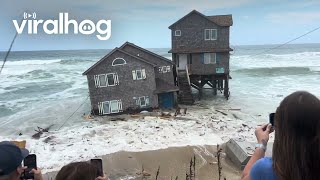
[(226, 87)]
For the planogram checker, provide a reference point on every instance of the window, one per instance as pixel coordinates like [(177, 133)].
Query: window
[(114, 106), (111, 79), (102, 80), (142, 101), (210, 34), (109, 107), (106, 107), (105, 80), (207, 34), (139, 74), (209, 58), (177, 33), (118, 61), (164, 69)]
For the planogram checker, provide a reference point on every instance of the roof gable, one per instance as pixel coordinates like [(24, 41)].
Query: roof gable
[(220, 20), (110, 53), (146, 51)]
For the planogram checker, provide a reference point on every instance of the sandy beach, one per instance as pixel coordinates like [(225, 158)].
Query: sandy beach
[(174, 162)]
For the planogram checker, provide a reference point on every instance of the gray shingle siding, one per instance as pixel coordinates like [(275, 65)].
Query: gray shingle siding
[(127, 88), (168, 77), (198, 68), (192, 34)]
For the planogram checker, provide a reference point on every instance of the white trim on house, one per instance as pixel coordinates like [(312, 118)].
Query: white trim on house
[(210, 33), (164, 69), (142, 73), (98, 83), (215, 37), (177, 32), (124, 62), (142, 99), (210, 58), (207, 32), (114, 106), (139, 74)]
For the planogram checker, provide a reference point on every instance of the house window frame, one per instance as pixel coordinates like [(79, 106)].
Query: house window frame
[(115, 80), (210, 31), (176, 32), (105, 78), (103, 104), (110, 105), (142, 72), (118, 58), (164, 69), (146, 100), (210, 60), (110, 110)]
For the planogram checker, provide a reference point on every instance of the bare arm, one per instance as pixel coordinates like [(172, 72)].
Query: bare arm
[(262, 134), (258, 154)]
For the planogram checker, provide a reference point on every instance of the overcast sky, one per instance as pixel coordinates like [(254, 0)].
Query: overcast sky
[(145, 22)]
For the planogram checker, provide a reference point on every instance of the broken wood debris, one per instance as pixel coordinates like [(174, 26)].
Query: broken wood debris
[(117, 119), (40, 131), (222, 112)]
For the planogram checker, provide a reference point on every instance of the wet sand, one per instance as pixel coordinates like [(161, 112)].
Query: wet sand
[(173, 162)]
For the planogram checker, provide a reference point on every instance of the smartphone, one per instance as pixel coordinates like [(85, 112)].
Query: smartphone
[(98, 164), (271, 118), (31, 162)]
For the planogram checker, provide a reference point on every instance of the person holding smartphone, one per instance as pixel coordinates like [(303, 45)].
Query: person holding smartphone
[(11, 157), (296, 148)]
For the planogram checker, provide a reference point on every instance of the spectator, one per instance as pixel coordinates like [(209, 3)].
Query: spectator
[(79, 171), (296, 148), (11, 157)]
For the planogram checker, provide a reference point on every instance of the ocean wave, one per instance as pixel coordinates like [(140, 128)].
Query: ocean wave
[(301, 54), (279, 71), (73, 62), (270, 55), (32, 62), (35, 74)]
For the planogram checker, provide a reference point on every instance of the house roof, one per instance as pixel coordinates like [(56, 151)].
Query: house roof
[(202, 50), (163, 86), (146, 51), (114, 50), (221, 20)]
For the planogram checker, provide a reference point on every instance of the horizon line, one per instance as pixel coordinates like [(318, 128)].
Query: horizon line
[(146, 47)]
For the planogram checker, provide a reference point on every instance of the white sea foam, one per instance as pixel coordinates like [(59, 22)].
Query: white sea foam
[(92, 139), (32, 62)]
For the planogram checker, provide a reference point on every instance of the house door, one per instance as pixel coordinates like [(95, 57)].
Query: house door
[(166, 100), (183, 61)]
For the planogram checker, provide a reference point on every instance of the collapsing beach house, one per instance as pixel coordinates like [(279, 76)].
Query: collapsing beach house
[(201, 52), (130, 79)]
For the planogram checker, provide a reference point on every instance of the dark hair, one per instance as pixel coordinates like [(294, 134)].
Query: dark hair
[(78, 171), (296, 149)]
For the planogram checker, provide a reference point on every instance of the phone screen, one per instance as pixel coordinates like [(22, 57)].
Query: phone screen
[(98, 164), (31, 162), (271, 118)]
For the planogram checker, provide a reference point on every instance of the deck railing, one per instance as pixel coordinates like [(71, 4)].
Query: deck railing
[(187, 73)]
